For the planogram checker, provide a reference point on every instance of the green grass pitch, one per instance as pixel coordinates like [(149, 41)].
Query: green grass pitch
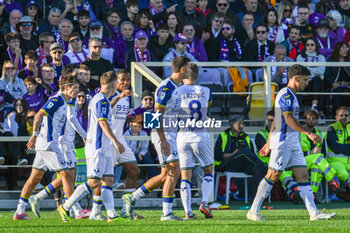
[(287, 220)]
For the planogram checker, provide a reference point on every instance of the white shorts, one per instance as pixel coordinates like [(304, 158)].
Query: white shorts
[(52, 160), (99, 166), (287, 157), (171, 139), (191, 152), (127, 157), (69, 154)]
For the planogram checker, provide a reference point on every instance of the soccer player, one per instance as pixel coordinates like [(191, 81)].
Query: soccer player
[(193, 143), (167, 101), (48, 153), (286, 152), (120, 109), (98, 146), (66, 143)]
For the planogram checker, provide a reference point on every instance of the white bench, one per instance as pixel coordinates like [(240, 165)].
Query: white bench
[(230, 175)]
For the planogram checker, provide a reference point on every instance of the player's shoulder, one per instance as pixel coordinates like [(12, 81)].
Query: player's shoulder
[(57, 100), (166, 86)]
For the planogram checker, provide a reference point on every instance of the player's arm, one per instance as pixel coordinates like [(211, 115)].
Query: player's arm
[(72, 119), (36, 127), (165, 147), (115, 100), (291, 122), (108, 131)]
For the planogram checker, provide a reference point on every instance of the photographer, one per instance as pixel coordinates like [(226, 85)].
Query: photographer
[(234, 152)]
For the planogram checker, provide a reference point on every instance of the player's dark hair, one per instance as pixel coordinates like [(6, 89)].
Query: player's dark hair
[(311, 112), (30, 54), (194, 69), (179, 62), (297, 69), (108, 77), (341, 108), (68, 79), (121, 71)]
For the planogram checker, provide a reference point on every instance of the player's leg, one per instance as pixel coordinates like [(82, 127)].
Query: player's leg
[(49, 190), (173, 169), (207, 187), (34, 179), (185, 191), (107, 196), (97, 205)]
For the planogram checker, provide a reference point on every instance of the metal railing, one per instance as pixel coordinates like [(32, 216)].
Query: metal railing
[(139, 69)]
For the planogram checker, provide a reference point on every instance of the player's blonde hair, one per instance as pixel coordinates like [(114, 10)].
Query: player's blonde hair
[(108, 78)]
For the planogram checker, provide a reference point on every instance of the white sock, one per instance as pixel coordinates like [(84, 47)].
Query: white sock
[(167, 205), (108, 200), (21, 206), (140, 192), (80, 192), (47, 191), (96, 205), (263, 192), (77, 208), (207, 187), (308, 197), (185, 192)]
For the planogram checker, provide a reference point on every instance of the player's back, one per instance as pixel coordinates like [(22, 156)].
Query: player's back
[(53, 124), (166, 95), (99, 109), (195, 101), (286, 102), (119, 113), (68, 135)]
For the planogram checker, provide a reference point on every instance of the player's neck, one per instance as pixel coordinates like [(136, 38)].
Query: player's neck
[(106, 92), (66, 97), (292, 88), (176, 78)]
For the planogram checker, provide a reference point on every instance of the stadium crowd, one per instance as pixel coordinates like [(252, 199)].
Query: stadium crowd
[(39, 38)]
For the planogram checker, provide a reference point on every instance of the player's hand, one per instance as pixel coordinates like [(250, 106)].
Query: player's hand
[(314, 138), (120, 148), (84, 140), (31, 142), (165, 147), (265, 150), (125, 93)]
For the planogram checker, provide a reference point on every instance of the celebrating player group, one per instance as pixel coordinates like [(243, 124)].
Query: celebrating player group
[(177, 98)]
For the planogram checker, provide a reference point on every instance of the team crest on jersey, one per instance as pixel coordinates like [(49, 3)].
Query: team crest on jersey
[(288, 102), (162, 95), (104, 110), (50, 105), (151, 120)]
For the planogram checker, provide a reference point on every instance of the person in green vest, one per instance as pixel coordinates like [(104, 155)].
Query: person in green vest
[(338, 141), (288, 183), (316, 163), (234, 152)]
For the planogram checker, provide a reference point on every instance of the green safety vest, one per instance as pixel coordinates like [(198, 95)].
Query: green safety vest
[(305, 141), (263, 132), (342, 134), (224, 138)]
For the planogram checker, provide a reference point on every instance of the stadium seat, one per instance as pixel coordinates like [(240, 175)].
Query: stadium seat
[(230, 175), (256, 102), (211, 78)]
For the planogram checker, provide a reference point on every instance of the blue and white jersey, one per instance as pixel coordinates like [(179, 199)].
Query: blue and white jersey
[(167, 96), (53, 124), (68, 135), (194, 105), (119, 114), (97, 141), (286, 102)]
